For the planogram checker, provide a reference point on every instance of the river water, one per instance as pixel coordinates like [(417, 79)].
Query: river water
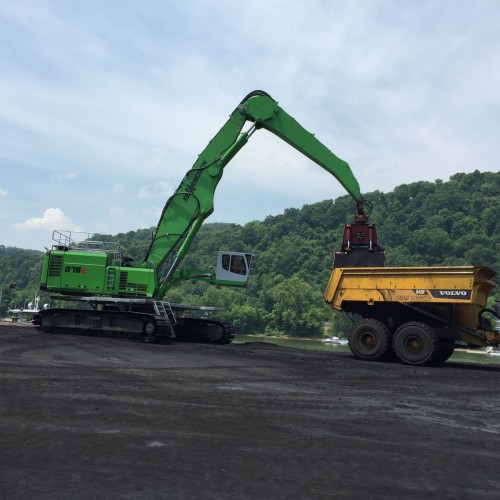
[(461, 356)]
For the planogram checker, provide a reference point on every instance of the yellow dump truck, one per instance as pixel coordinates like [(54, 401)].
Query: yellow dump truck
[(415, 313)]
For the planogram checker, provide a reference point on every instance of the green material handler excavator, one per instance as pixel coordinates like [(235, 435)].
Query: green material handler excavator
[(125, 300)]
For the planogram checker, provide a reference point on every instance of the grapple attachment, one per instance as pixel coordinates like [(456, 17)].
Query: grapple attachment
[(359, 246)]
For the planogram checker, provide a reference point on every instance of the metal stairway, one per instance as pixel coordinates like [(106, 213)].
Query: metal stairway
[(163, 309)]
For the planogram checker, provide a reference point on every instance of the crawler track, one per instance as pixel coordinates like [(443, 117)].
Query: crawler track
[(204, 330), (133, 326)]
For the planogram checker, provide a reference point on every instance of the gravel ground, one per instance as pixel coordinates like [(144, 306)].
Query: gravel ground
[(83, 417)]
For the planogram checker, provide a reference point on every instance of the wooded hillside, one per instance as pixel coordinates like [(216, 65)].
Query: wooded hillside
[(424, 223)]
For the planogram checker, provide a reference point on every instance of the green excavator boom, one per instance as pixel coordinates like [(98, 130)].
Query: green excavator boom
[(193, 201)]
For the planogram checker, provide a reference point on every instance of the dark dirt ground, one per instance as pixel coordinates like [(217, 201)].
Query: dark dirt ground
[(83, 417)]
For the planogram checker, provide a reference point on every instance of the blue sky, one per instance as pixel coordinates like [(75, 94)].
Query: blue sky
[(104, 105)]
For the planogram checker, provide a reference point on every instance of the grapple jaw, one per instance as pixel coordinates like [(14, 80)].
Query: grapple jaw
[(359, 257), (360, 246)]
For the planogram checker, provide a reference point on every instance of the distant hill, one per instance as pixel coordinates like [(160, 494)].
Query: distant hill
[(454, 222)]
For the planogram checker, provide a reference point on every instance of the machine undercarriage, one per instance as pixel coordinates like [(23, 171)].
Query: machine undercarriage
[(141, 320)]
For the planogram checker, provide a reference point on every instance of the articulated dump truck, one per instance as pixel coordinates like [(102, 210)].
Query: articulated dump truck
[(416, 314)]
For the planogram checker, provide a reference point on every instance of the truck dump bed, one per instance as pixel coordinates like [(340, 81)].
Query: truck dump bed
[(450, 299)]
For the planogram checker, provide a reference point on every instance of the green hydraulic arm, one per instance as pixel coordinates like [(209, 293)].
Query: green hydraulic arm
[(192, 202)]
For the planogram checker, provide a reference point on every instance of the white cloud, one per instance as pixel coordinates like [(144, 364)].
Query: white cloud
[(64, 176), (52, 218), (153, 213), (403, 91), (115, 212), (165, 188), (158, 189)]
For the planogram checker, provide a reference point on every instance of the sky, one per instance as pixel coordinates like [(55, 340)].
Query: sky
[(105, 105)]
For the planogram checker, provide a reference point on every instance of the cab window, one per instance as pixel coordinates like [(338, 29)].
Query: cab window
[(238, 265), (226, 259)]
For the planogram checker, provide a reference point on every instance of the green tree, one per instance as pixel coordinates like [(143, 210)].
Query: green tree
[(295, 311), (248, 319)]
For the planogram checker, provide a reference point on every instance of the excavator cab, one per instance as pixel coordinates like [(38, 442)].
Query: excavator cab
[(233, 268)]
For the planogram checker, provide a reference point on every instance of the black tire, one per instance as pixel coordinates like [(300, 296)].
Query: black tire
[(416, 343), (370, 340), (445, 350)]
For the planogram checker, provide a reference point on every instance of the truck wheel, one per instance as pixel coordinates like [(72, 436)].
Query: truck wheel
[(445, 350), (370, 340), (416, 343)]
